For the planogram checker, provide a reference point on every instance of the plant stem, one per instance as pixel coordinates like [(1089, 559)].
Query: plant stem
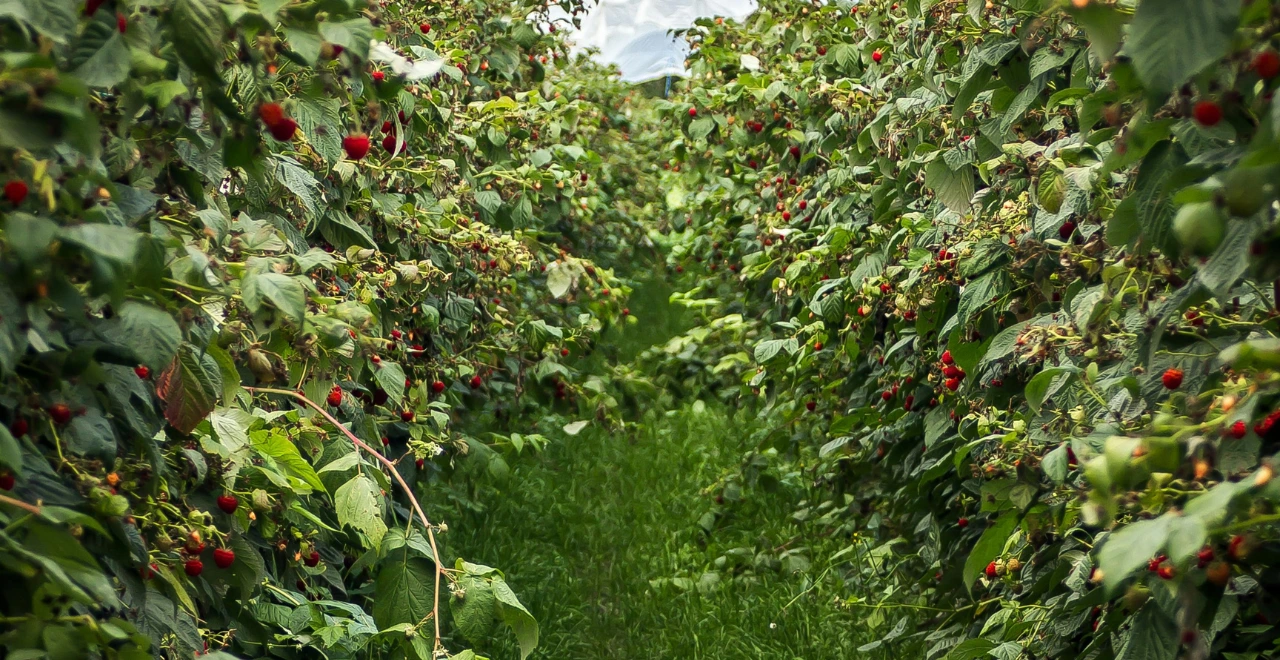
[(435, 604)]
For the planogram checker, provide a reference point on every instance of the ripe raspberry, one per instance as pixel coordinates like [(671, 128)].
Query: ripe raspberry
[(407, 415), (810, 405), (312, 560), (193, 567), (425, 28), (378, 77), (1267, 64), (1207, 113), (991, 571), (963, 522), (19, 427), (437, 387), (952, 384), (476, 382), (335, 397), (946, 358), (271, 113), (1172, 379), (877, 56), (228, 503), (7, 481), (284, 130), (1238, 430), (60, 413), (224, 558), (122, 23), (396, 334), (142, 371), (356, 146), (1066, 230), (817, 346), (693, 112), (16, 191)]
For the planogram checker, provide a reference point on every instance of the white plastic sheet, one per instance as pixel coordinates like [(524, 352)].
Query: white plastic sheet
[(636, 34)]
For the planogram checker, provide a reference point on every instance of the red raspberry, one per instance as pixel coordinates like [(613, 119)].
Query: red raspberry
[(1238, 430), (811, 405), (356, 146), (16, 191), (1267, 64), (143, 371), (60, 413), (946, 358), (693, 112), (407, 415), (193, 567), (284, 129), (1172, 379), (1207, 113), (378, 77), (312, 560), (476, 382), (963, 522), (437, 387), (335, 397), (271, 113), (223, 558), (7, 482), (991, 571), (425, 27), (877, 56), (228, 503)]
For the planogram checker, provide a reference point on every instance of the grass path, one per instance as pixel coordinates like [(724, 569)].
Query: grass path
[(605, 538)]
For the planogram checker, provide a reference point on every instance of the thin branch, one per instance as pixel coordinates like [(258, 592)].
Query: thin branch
[(4, 499), (431, 537)]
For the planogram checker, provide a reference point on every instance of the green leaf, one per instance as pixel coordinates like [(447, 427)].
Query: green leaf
[(489, 200), (1051, 190), (1152, 636), (353, 34), (954, 188), (357, 503), (474, 607), (1172, 40), (390, 378), (1038, 388), (1154, 203), (188, 389), (55, 19), (988, 547), (119, 244), (10, 451), (108, 61), (277, 447), (197, 34), (284, 292), (516, 617), (1129, 548), (403, 589), (701, 127), (151, 332)]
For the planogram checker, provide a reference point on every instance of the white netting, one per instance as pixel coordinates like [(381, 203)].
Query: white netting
[(635, 34)]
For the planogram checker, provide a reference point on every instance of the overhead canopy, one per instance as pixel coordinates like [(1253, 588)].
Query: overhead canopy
[(636, 34)]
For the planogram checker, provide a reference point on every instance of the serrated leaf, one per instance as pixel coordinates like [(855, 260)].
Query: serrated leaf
[(988, 547), (197, 29), (954, 188), (189, 391), (390, 378), (150, 332), (357, 503), (1172, 40), (285, 293)]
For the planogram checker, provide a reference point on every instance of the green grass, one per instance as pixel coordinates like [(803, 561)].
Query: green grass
[(583, 529), (608, 539)]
